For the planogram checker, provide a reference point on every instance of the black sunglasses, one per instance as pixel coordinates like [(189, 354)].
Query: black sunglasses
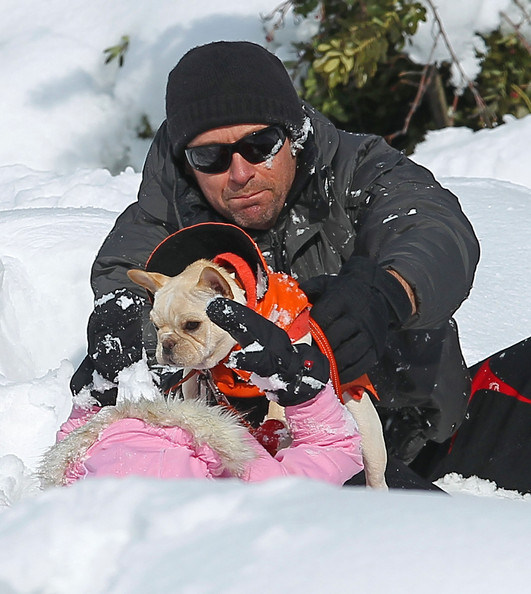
[(254, 148)]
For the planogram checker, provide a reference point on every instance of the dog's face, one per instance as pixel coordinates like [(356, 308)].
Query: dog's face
[(185, 335)]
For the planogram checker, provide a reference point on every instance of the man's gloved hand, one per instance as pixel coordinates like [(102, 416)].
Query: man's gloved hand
[(114, 343), (356, 309), (115, 332), (407, 430), (289, 374)]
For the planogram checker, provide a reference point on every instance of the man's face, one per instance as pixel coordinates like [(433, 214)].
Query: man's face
[(251, 196)]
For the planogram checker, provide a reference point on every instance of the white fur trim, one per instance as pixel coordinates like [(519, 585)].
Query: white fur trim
[(215, 426)]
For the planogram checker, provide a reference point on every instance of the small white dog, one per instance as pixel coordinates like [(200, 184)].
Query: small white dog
[(185, 335), (187, 338)]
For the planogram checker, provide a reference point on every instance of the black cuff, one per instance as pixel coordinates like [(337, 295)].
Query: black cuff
[(385, 283), (396, 296)]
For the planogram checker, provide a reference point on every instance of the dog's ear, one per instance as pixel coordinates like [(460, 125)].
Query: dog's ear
[(211, 279), (152, 281)]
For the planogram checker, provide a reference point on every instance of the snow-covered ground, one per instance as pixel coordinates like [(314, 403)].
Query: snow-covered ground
[(66, 120)]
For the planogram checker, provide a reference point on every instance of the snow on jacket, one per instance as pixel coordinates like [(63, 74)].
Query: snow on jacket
[(353, 195), (188, 439)]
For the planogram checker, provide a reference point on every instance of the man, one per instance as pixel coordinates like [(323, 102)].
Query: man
[(382, 250)]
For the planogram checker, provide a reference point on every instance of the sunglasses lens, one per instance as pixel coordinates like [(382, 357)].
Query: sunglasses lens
[(262, 145), (213, 158), (255, 148)]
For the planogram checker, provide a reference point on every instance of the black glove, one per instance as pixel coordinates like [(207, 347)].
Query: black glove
[(356, 309), (407, 430), (115, 332), (288, 373)]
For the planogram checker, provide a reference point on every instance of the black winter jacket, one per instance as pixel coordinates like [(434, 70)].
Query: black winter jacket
[(353, 194)]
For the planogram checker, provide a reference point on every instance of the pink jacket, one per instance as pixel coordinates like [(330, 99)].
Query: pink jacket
[(187, 439)]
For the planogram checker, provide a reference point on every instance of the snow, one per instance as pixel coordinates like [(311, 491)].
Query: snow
[(452, 152), (194, 537), (462, 23), (67, 122), (135, 383)]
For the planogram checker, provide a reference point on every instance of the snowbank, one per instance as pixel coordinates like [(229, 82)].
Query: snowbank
[(136, 536)]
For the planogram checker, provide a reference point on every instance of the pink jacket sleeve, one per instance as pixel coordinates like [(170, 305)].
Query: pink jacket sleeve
[(326, 444)]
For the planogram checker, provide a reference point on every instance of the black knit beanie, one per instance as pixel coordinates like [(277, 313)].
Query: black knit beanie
[(227, 83)]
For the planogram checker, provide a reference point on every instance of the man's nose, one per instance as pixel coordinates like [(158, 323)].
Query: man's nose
[(240, 170)]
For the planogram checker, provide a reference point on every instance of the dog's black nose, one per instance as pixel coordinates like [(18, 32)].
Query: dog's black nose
[(167, 346)]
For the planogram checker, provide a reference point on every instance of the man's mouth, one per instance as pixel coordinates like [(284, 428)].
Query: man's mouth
[(243, 198), (248, 200), (250, 195)]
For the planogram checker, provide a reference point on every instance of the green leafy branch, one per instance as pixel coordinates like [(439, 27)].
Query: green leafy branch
[(118, 51), (356, 53)]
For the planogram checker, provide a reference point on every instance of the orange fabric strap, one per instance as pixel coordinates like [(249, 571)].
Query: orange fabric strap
[(360, 385), (244, 274)]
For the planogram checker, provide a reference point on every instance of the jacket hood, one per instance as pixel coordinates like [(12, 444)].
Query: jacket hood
[(214, 426), (326, 137), (221, 242)]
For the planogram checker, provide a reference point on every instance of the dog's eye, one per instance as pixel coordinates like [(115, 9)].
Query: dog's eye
[(190, 326)]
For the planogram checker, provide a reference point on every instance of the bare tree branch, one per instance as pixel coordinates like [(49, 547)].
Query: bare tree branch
[(482, 107), (527, 17), (425, 81), (516, 28), (281, 10)]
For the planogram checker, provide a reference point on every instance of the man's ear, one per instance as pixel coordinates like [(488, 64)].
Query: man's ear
[(211, 279), (152, 281)]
